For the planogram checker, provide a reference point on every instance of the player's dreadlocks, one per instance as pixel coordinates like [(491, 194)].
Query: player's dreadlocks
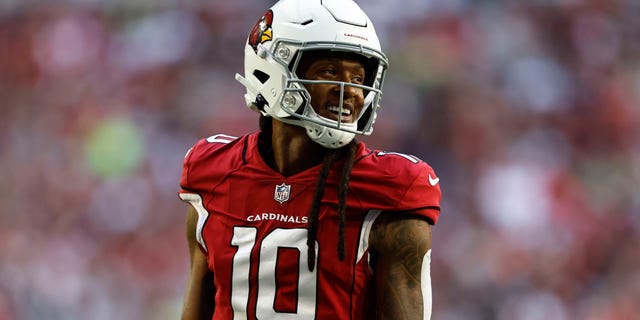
[(348, 152), (330, 158)]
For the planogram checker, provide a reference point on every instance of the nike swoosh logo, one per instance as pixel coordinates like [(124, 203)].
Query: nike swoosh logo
[(433, 181)]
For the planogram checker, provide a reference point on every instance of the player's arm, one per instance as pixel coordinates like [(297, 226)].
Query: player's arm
[(401, 246), (199, 296)]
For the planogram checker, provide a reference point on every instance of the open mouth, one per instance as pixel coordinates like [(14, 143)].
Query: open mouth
[(344, 116)]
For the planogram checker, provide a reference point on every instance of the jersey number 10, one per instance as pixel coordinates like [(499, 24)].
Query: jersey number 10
[(244, 238)]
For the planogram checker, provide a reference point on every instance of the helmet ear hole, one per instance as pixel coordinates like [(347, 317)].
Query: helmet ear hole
[(261, 76)]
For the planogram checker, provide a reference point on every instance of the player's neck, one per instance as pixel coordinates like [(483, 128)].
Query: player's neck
[(293, 150)]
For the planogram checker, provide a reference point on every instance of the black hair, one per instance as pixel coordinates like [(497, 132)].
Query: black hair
[(348, 152)]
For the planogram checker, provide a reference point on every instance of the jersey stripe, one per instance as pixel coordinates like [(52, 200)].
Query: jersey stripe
[(369, 219), (196, 201), (425, 284)]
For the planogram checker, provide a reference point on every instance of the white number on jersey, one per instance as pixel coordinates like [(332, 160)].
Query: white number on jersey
[(245, 239), (221, 138), (406, 156)]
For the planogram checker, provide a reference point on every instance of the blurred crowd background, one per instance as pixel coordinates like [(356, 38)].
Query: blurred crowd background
[(529, 111)]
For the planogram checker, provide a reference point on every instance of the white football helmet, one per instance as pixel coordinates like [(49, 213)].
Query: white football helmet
[(275, 47)]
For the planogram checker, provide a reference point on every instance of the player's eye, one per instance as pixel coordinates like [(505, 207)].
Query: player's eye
[(328, 72)]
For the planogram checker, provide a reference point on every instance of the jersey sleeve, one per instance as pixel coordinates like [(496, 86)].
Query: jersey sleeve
[(206, 162), (188, 182), (397, 182), (186, 165), (424, 194)]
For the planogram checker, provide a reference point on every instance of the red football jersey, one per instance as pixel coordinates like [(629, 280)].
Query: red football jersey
[(252, 227)]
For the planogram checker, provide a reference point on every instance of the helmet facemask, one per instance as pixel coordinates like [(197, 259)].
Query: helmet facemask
[(297, 101)]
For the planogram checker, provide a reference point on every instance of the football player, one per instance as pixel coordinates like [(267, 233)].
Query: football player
[(299, 220)]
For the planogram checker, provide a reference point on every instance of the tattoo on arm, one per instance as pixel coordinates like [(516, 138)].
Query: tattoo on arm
[(399, 243)]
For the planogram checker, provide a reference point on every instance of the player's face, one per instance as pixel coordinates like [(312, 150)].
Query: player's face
[(325, 98)]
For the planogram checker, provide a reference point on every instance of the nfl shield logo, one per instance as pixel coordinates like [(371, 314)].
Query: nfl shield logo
[(282, 193)]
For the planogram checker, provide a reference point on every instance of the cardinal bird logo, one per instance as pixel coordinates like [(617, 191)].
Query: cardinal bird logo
[(262, 31)]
